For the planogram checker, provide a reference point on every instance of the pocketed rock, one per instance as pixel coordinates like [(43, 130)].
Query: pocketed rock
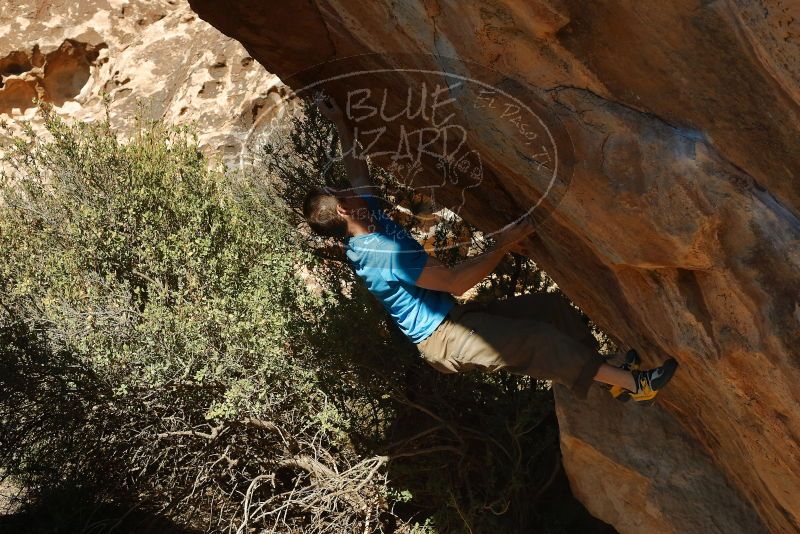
[(154, 59)]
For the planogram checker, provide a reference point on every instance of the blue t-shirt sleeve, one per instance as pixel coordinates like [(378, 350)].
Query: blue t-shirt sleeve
[(408, 262), (407, 257)]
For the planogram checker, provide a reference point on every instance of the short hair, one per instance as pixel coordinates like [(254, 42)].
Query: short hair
[(319, 209)]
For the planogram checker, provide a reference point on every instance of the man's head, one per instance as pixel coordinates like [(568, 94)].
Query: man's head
[(331, 212), (321, 210)]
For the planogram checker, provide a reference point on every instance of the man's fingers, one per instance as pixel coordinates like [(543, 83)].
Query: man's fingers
[(516, 232), (324, 101), (327, 105)]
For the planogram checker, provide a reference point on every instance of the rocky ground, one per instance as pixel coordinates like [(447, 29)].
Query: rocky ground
[(8, 493)]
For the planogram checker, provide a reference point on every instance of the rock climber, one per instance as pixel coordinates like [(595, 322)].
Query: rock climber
[(538, 335)]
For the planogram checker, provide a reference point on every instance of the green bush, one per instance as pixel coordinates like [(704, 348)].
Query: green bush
[(172, 343), (181, 299)]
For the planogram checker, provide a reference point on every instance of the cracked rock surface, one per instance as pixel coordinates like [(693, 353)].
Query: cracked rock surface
[(676, 227)]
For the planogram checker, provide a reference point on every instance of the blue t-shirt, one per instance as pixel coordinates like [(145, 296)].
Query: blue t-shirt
[(389, 261)]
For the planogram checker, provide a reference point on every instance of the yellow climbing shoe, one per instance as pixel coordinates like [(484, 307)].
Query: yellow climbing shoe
[(651, 381)]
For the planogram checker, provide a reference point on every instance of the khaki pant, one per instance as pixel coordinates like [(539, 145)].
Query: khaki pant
[(538, 335)]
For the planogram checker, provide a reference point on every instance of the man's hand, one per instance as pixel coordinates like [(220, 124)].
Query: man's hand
[(329, 108), (515, 233), (355, 165)]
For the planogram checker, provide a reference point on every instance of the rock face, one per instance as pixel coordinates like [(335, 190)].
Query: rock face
[(651, 479), (184, 70), (676, 226)]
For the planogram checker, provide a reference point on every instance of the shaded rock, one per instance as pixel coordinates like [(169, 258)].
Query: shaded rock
[(675, 226)]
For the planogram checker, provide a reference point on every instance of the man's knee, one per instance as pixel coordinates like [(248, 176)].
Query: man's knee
[(566, 317), (447, 364)]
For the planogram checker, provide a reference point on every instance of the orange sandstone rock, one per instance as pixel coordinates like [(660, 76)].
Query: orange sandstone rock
[(676, 223)]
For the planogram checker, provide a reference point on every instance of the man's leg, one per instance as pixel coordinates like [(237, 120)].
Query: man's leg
[(551, 308), (556, 310), (473, 338), (614, 376)]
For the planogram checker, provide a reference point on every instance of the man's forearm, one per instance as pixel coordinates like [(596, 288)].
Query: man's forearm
[(471, 271), (357, 170)]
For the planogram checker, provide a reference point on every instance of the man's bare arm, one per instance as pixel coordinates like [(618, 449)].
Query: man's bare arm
[(356, 167), (462, 277)]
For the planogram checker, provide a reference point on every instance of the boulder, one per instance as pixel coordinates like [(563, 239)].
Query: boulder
[(649, 473), (669, 193)]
